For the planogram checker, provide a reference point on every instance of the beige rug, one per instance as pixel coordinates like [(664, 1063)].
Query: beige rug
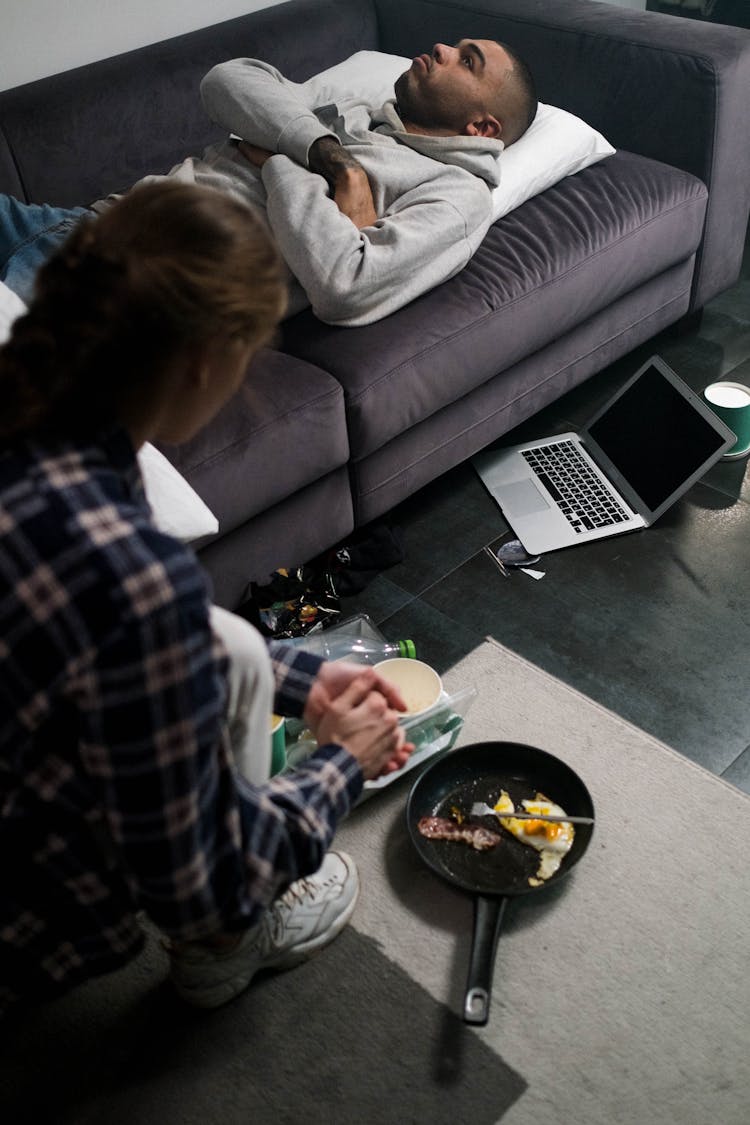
[(623, 995)]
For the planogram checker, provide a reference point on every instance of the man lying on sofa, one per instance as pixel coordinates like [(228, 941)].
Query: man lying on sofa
[(371, 206)]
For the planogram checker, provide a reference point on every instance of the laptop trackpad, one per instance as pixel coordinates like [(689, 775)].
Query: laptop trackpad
[(523, 498)]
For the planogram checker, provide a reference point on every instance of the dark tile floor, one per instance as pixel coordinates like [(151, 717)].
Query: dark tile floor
[(654, 625)]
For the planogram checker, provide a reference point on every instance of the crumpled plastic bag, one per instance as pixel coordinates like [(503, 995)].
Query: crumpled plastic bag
[(294, 601)]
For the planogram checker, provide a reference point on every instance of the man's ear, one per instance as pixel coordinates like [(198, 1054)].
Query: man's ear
[(487, 126)]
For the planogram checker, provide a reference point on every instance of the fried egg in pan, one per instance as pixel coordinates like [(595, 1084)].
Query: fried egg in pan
[(553, 841)]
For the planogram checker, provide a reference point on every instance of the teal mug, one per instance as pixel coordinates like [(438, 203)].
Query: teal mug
[(731, 403)]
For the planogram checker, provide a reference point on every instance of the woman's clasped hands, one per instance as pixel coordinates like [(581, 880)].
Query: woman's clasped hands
[(352, 705)]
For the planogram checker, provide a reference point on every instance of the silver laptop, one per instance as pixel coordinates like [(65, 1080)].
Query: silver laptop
[(634, 459)]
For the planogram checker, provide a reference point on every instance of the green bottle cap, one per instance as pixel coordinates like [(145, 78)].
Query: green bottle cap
[(407, 648)]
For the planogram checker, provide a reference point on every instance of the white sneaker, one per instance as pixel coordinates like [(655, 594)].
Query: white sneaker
[(309, 915)]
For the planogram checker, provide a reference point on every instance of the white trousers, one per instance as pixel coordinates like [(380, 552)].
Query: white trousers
[(251, 694)]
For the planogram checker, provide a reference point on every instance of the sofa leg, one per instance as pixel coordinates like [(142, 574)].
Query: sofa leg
[(691, 322)]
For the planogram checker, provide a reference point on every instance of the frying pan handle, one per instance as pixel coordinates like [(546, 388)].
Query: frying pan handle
[(488, 916)]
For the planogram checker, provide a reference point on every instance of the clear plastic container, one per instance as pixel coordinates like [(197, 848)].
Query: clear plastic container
[(432, 732), (358, 625), (338, 645)]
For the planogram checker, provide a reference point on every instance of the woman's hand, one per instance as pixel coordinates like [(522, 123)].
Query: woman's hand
[(353, 706), (333, 678)]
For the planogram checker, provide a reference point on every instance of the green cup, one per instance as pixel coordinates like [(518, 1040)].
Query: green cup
[(731, 403), (278, 744)]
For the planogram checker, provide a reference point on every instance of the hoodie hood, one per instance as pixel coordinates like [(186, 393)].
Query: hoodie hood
[(478, 155)]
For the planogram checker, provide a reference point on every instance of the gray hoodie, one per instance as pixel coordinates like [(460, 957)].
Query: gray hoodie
[(432, 194)]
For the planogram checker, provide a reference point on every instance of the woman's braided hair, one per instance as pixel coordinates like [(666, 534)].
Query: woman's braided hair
[(169, 267)]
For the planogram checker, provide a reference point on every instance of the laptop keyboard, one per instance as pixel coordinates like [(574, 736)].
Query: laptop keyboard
[(580, 495)]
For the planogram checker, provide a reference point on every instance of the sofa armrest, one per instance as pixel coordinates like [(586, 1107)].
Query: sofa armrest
[(671, 89)]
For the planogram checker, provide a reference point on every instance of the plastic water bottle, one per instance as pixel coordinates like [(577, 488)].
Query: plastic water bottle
[(362, 650)]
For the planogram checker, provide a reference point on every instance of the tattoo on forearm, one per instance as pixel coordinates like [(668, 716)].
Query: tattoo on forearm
[(329, 158)]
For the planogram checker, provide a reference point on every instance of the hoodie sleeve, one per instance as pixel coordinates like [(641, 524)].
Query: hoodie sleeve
[(254, 101), (354, 277)]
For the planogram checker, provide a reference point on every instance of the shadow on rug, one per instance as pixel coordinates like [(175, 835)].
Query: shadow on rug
[(348, 1037)]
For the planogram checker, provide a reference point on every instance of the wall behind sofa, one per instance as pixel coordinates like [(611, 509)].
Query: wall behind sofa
[(41, 37)]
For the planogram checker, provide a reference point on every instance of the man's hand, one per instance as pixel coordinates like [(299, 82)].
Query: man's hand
[(256, 156), (344, 174), (347, 180), (353, 197)]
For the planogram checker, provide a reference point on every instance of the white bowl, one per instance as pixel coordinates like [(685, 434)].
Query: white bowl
[(419, 684)]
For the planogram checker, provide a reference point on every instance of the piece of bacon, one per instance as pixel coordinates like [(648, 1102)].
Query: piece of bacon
[(442, 828)]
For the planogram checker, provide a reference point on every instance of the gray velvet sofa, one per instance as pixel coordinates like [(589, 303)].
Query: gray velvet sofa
[(335, 426)]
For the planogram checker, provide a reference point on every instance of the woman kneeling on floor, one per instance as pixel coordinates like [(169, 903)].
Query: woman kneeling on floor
[(135, 754)]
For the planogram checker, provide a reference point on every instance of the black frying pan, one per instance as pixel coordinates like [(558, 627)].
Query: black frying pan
[(477, 773)]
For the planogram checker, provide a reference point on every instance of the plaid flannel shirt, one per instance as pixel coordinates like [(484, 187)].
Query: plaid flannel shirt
[(117, 790)]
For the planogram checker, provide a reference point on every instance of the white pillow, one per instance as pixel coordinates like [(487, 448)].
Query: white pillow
[(555, 145), (177, 508), (369, 75), (11, 307)]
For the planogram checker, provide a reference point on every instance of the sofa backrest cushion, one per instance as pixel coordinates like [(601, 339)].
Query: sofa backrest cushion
[(76, 136)]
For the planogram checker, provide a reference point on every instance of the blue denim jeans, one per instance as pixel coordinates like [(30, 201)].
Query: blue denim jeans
[(29, 234)]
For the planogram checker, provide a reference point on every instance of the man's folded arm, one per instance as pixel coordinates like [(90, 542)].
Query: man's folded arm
[(254, 101), (354, 277)]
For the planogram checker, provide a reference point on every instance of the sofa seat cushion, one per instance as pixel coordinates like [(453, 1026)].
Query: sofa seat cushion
[(287, 535), (548, 266), (411, 460), (283, 430)]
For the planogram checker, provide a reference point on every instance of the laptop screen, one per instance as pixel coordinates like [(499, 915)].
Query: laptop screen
[(656, 436)]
